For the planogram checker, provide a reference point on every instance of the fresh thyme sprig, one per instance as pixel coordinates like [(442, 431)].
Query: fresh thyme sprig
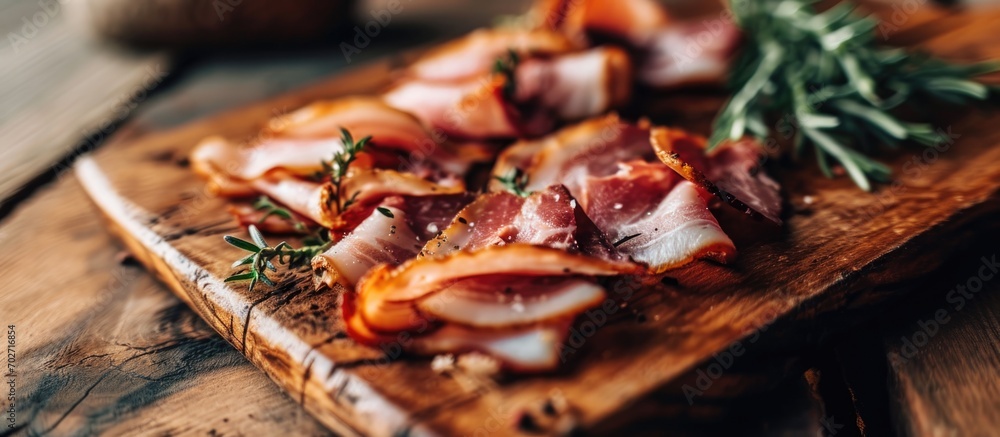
[(337, 167), (515, 181), (265, 204), (823, 74), (506, 65), (263, 257)]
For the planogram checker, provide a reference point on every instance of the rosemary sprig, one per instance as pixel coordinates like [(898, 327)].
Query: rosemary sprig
[(337, 167), (505, 65), (263, 257), (515, 181), (823, 74)]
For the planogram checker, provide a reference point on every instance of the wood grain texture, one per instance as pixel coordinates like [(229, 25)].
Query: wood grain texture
[(103, 348), (841, 249), (945, 377), (929, 367), (60, 87)]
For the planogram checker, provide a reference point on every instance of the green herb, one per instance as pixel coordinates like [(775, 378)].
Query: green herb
[(337, 167), (824, 74), (505, 65), (515, 181), (386, 212), (263, 257), (264, 203)]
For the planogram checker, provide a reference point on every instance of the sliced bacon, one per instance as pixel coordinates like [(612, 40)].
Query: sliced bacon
[(473, 108), (565, 87), (591, 148), (604, 72), (654, 219), (475, 54), (731, 171), (528, 348), (381, 239), (550, 217), (690, 53), (374, 185), (638, 206), (300, 141), (386, 295), (525, 349), (477, 302), (361, 116), (671, 53), (304, 197), (632, 20)]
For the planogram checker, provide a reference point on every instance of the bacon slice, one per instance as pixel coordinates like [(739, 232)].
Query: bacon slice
[(591, 148), (550, 217), (477, 302), (730, 171), (528, 348), (671, 53), (475, 54), (604, 73), (639, 206), (386, 295), (565, 87), (654, 219), (525, 349), (381, 239), (690, 54), (632, 20), (368, 187), (474, 108), (299, 142), (304, 197)]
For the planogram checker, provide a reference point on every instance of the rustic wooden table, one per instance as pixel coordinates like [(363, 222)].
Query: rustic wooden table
[(100, 347)]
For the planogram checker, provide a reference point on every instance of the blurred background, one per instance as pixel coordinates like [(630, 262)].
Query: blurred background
[(74, 71)]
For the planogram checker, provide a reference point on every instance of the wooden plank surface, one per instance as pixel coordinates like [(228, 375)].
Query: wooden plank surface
[(60, 87), (929, 368), (944, 368), (102, 347), (838, 248)]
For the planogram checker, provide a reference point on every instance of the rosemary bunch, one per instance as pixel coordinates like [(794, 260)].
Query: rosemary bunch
[(824, 73)]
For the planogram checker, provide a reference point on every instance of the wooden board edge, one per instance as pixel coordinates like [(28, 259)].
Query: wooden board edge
[(125, 223)]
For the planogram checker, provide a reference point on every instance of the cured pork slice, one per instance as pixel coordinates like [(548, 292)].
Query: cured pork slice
[(387, 294), (655, 219), (631, 20), (671, 53), (543, 91), (299, 142), (477, 302), (550, 217), (393, 232), (367, 188), (297, 145), (525, 348), (591, 148), (475, 54), (689, 53), (731, 171), (637, 205)]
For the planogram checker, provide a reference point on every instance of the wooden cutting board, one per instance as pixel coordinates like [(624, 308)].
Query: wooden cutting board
[(842, 249)]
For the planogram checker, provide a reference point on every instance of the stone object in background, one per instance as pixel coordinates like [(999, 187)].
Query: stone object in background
[(211, 23)]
